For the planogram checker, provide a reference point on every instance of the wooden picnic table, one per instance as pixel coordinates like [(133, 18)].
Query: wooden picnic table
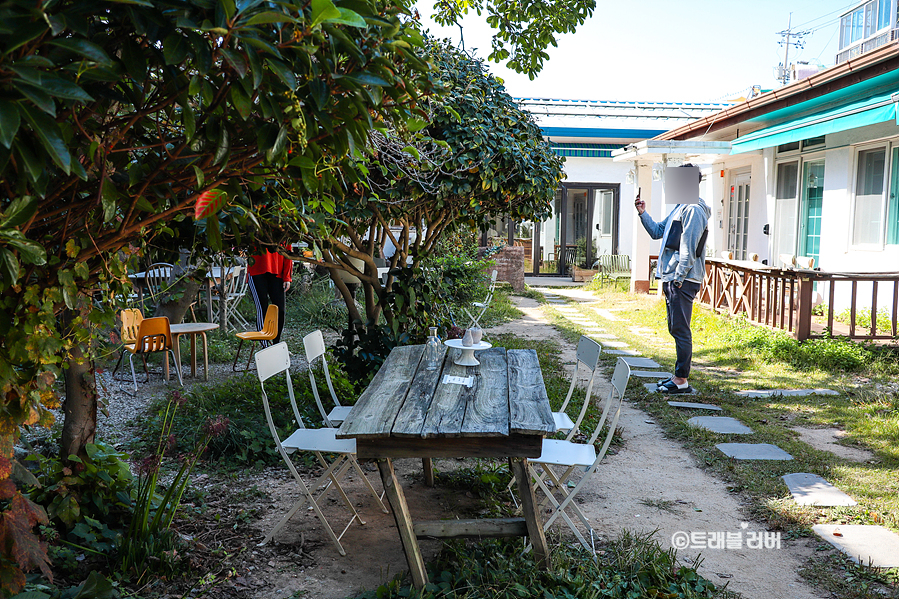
[(409, 411)]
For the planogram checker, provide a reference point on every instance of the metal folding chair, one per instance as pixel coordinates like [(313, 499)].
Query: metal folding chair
[(314, 344), (481, 307), (275, 360), (575, 456), (588, 352)]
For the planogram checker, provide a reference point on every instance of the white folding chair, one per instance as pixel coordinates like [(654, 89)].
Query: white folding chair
[(314, 344), (157, 278), (276, 360), (574, 456), (233, 288), (588, 352), (481, 307)]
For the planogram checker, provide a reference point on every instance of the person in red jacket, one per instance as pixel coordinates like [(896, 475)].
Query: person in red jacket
[(270, 277)]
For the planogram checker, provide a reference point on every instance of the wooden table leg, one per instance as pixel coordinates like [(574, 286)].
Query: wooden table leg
[(404, 523), (193, 355), (428, 468), (205, 358), (519, 467)]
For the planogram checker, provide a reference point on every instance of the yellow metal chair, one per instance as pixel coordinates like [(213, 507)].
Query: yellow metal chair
[(130, 319), (154, 335), (268, 333)]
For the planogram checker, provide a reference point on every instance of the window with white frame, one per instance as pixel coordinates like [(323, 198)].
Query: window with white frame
[(864, 21), (867, 228)]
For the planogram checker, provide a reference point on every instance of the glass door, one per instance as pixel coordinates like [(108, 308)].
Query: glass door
[(604, 225), (577, 238), (738, 216), (811, 207), (785, 211)]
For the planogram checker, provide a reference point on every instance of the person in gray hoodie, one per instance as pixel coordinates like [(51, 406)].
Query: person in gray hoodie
[(681, 267)]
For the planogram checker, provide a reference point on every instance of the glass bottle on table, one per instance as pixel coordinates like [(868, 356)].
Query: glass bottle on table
[(432, 351)]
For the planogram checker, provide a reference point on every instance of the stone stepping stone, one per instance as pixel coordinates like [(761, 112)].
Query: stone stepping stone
[(753, 451), (863, 544), (556, 301), (811, 489), (642, 331), (654, 388), (641, 362), (785, 392), (621, 352), (651, 374), (605, 336), (720, 424), (606, 314), (692, 405)]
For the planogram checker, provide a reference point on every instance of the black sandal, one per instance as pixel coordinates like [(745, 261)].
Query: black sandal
[(671, 388)]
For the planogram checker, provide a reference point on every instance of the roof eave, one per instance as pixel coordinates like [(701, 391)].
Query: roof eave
[(843, 75)]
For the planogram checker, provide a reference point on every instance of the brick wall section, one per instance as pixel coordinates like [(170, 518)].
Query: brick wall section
[(509, 265)]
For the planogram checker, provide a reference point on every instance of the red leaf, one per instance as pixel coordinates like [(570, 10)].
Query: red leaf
[(7, 488), (209, 203), (5, 467), (18, 542), (12, 579)]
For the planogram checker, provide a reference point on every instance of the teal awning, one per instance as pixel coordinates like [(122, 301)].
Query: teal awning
[(584, 150), (877, 109)]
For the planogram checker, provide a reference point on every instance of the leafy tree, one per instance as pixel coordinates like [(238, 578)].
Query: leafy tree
[(476, 156), (524, 30), (115, 117)]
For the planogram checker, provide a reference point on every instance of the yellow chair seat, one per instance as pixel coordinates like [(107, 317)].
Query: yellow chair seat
[(268, 333)]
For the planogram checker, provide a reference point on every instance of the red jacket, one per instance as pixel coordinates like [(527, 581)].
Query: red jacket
[(274, 263)]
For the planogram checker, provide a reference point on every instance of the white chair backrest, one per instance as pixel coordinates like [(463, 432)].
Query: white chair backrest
[(270, 361), (619, 384), (588, 352), (807, 262), (753, 257), (158, 275), (314, 344)]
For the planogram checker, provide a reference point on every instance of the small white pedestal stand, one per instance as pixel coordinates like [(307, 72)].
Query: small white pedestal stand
[(467, 358)]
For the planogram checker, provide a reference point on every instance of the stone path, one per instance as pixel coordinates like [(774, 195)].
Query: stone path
[(863, 544), (860, 542), (811, 489)]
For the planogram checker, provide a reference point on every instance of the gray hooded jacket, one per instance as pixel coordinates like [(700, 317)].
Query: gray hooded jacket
[(681, 264)]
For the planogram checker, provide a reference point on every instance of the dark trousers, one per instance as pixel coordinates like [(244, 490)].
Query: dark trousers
[(268, 288), (679, 302)]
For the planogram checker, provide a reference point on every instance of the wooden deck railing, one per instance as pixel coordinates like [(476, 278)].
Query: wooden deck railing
[(784, 299)]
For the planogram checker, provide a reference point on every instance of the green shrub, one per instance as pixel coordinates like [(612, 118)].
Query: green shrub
[(87, 500), (629, 567), (247, 440), (827, 354), (863, 319)]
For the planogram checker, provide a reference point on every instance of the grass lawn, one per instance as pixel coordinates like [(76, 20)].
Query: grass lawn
[(730, 355)]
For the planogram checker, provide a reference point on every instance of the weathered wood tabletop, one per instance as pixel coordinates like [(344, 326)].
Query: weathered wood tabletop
[(409, 411)]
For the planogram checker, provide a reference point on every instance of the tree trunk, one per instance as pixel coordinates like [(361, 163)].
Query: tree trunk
[(80, 405), (176, 309)]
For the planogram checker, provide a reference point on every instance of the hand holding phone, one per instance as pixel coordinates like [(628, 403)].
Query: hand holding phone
[(639, 204)]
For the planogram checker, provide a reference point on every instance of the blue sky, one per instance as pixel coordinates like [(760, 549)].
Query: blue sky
[(659, 50)]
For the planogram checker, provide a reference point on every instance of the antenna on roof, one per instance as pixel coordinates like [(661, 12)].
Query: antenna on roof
[(782, 71)]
